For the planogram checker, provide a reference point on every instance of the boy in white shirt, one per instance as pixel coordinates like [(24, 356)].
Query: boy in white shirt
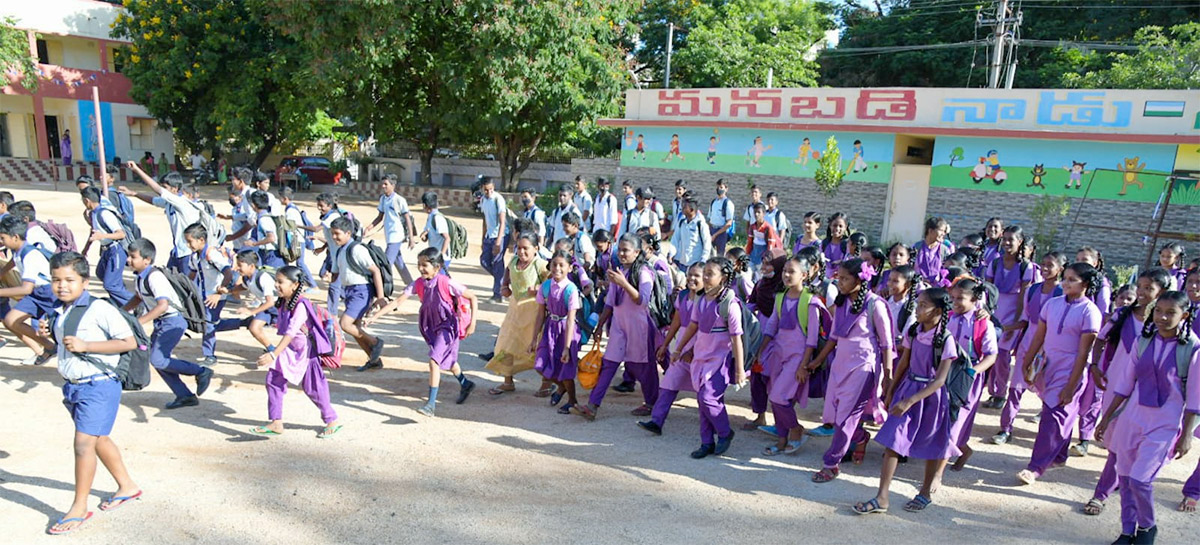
[(108, 230), (256, 316), (362, 290), (327, 205), (35, 234), (297, 217), (566, 205), (398, 225), (606, 211), (262, 238), (181, 212), (583, 201), (243, 213), (535, 214), (437, 229), (87, 361), (721, 218), (580, 241), (643, 215), (262, 182), (495, 244), (160, 304), (33, 264), (211, 272)]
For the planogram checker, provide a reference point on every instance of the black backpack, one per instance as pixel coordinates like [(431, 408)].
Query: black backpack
[(662, 303), (191, 306), (133, 369), (962, 374), (132, 231), (379, 257)]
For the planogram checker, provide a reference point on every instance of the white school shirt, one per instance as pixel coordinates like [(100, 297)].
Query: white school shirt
[(265, 224), (346, 275), (35, 234), (605, 212), (538, 217), (105, 220), (438, 230), (152, 285), (243, 213), (327, 230), (394, 208), (180, 214), (721, 212), (274, 205), (749, 215), (636, 219), (210, 265), (630, 202), (584, 203), (293, 213), (100, 322), (777, 220), (261, 286), (692, 240), (492, 209), (585, 250), (554, 230), (33, 266)]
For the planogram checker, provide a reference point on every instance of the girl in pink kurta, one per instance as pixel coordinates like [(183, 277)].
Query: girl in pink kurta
[(294, 360), (860, 332), (557, 348), (716, 357), (678, 376), (1012, 275), (1160, 411), (1191, 488), (977, 335), (1115, 345), (793, 332), (631, 332), (919, 404), (1091, 401), (1066, 330)]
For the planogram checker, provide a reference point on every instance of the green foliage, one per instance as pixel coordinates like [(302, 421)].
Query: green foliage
[(217, 72), (1164, 60), (956, 155), (736, 43), (829, 172), (1047, 215), (14, 53), (1122, 274)]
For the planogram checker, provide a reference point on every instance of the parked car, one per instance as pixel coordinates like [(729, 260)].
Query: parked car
[(301, 172)]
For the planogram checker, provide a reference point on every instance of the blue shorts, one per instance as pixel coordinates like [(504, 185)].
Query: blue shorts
[(269, 316), (358, 300), (37, 304), (93, 405)]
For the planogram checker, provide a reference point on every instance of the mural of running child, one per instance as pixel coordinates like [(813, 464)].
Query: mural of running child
[(1077, 172), (756, 152), (673, 149), (857, 162), (712, 146), (803, 154), (641, 147)]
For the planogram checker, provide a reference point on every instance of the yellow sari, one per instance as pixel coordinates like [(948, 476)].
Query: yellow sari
[(512, 354)]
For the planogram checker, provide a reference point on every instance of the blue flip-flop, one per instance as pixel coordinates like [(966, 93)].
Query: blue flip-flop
[(116, 502), (81, 520), (868, 507), (918, 503)]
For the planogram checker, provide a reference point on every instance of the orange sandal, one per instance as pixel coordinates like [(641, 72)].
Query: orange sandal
[(826, 475)]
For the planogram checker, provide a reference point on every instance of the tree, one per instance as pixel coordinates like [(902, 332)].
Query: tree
[(956, 155), (217, 73), (1169, 60), (539, 72), (14, 54)]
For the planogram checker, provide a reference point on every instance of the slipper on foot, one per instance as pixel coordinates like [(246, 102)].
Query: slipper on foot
[(329, 431), (869, 507), (55, 531), (1093, 507), (263, 430), (918, 503), (116, 502)]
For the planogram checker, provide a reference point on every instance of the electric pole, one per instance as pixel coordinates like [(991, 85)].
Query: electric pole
[(1006, 25), (670, 46)]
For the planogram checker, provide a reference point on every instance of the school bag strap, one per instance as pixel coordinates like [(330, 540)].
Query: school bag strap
[(801, 307), (1185, 346)]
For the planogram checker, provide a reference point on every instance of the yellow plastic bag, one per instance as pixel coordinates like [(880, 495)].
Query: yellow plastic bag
[(589, 368)]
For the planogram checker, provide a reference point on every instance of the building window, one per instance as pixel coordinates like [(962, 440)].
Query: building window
[(43, 50), (118, 60), (141, 134)]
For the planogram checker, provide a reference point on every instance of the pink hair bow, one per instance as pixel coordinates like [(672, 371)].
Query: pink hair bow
[(866, 273)]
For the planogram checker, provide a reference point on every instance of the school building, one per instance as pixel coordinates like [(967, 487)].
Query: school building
[(75, 52), (1112, 156)]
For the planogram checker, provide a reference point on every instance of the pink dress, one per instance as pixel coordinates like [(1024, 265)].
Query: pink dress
[(631, 334), (923, 431), (790, 342)]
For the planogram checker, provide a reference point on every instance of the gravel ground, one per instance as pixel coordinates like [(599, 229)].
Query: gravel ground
[(495, 470)]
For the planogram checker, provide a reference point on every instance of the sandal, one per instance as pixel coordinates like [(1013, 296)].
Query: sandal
[(918, 503), (329, 431), (794, 446), (860, 450), (116, 502), (1027, 477), (772, 450), (585, 411), (1094, 507), (501, 390), (546, 392), (565, 409), (1188, 505), (263, 430), (55, 531), (556, 398), (869, 507), (826, 475)]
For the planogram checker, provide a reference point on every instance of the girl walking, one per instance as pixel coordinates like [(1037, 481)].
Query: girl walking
[(974, 332), (678, 376), (1012, 274), (516, 343), (558, 349), (1091, 400)]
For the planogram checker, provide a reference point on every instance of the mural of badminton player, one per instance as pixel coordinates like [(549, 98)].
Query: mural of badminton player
[(804, 153), (857, 162), (756, 152), (712, 147), (672, 150)]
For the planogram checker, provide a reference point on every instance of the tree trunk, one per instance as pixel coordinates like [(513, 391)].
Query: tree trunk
[(514, 158), (263, 152), (426, 155)]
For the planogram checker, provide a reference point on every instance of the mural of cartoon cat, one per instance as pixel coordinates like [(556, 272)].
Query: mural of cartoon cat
[(1038, 172), (1130, 169)]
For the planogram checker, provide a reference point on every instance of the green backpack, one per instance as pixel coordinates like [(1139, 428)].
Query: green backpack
[(458, 239), (288, 239)]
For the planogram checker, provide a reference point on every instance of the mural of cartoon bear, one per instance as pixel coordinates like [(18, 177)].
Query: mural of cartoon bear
[(1130, 169)]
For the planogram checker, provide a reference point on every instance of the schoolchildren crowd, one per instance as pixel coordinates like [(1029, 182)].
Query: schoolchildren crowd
[(907, 343)]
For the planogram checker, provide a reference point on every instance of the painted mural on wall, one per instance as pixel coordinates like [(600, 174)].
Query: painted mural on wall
[(866, 157), (1111, 171)]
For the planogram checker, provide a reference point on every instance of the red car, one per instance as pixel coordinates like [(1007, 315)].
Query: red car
[(300, 172)]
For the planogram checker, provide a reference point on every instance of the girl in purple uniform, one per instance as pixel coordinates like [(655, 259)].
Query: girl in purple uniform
[(1171, 257), (743, 280), (678, 376), (631, 337), (1066, 330), (1112, 353), (1012, 274), (1090, 402), (860, 332), (557, 351), (898, 255), (1052, 267), (794, 332), (438, 320), (716, 357), (929, 252), (1191, 489), (992, 234), (1159, 411), (975, 333), (920, 405), (834, 245), (762, 303), (811, 224)]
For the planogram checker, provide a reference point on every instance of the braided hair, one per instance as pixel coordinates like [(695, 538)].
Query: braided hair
[(1023, 248), (635, 268), (829, 229), (1177, 249), (728, 271), (740, 260), (877, 260), (854, 267), (973, 286), (857, 242), (1090, 275), (973, 241), (1093, 253), (940, 299), (910, 276), (1059, 258), (650, 242), (813, 258), (295, 275), (1180, 299)]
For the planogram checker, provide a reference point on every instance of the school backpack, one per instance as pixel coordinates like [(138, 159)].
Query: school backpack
[(662, 304), (585, 309), (462, 309), (458, 239), (308, 236), (60, 234), (288, 239), (191, 307), (991, 297), (215, 229), (123, 205), (132, 231), (752, 337), (358, 228), (133, 368), (1184, 348), (379, 258), (962, 370), (328, 341)]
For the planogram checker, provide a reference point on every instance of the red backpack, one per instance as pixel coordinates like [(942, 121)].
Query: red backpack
[(462, 309), (320, 321)]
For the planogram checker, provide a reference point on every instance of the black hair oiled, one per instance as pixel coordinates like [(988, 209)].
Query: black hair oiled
[(854, 267), (728, 272), (940, 299), (740, 259), (1090, 275)]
